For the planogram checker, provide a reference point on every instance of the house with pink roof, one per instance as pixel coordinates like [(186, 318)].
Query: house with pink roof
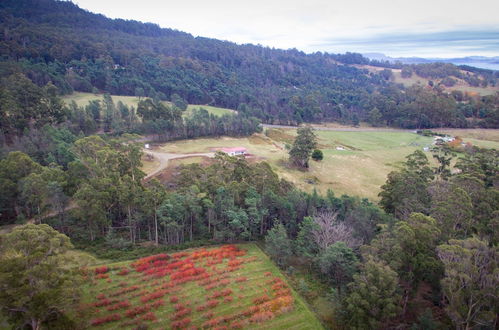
[(236, 151)]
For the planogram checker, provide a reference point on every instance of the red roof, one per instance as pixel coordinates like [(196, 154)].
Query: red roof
[(235, 149)]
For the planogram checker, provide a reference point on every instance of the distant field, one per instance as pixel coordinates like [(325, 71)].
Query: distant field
[(358, 170), (461, 85), (82, 100), (214, 110), (218, 287)]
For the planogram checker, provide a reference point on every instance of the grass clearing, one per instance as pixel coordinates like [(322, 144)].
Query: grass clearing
[(360, 169), (217, 286), (82, 100), (211, 109)]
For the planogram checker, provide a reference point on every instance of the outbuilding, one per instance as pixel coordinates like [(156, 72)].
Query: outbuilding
[(236, 151)]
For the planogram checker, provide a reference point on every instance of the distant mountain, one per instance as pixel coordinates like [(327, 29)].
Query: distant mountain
[(490, 63)]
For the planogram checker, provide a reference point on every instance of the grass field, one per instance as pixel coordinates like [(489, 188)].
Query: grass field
[(82, 100), (358, 170), (219, 287)]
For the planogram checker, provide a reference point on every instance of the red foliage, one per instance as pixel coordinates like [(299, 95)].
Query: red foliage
[(208, 305), (103, 302), (105, 319), (131, 313), (101, 296), (153, 296), (124, 290), (250, 311), (181, 324), (212, 303), (236, 325), (228, 299), (260, 300), (179, 306), (124, 272), (278, 304), (101, 270), (241, 279), (120, 305), (235, 262), (150, 316), (158, 303), (173, 299), (101, 276), (181, 313), (208, 315)]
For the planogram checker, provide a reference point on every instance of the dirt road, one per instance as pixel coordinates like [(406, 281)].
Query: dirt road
[(164, 157)]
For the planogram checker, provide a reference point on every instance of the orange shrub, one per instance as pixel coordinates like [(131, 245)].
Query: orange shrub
[(262, 317)]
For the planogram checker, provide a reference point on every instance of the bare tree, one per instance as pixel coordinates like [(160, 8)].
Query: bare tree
[(471, 283), (329, 230)]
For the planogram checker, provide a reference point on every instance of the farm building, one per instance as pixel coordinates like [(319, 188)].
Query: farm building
[(234, 151)]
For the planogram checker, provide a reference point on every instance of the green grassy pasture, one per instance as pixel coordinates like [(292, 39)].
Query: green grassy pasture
[(252, 280), (361, 169), (82, 100)]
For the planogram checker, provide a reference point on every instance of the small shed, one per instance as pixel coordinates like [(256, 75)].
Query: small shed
[(236, 151)]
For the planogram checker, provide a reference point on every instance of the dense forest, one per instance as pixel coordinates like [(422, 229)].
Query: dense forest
[(55, 42), (427, 258)]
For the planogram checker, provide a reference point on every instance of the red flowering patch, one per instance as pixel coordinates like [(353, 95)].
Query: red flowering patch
[(150, 316), (105, 319), (101, 270), (260, 300), (241, 279), (181, 324), (123, 272), (120, 305), (124, 291), (181, 313), (153, 296), (103, 302)]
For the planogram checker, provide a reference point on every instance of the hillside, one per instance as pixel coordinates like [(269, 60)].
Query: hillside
[(232, 286), (57, 42)]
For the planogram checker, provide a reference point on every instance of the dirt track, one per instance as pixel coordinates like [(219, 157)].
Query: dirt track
[(164, 157)]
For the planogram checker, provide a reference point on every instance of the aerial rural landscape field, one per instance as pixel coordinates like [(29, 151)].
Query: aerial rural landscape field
[(249, 165), (223, 286)]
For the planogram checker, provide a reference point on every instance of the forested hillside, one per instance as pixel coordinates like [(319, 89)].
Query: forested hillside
[(57, 42)]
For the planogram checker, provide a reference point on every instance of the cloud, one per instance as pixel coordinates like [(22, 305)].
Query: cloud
[(462, 42), (309, 25)]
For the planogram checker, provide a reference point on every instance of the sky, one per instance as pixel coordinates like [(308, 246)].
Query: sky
[(397, 28)]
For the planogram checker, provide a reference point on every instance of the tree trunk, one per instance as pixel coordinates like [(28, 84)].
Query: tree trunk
[(35, 324), (156, 227)]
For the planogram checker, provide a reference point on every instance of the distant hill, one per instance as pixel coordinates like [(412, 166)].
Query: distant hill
[(483, 62), (58, 42)]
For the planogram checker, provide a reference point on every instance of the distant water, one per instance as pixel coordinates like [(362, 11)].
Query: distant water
[(479, 64)]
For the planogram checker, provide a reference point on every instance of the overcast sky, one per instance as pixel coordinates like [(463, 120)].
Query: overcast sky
[(430, 28)]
